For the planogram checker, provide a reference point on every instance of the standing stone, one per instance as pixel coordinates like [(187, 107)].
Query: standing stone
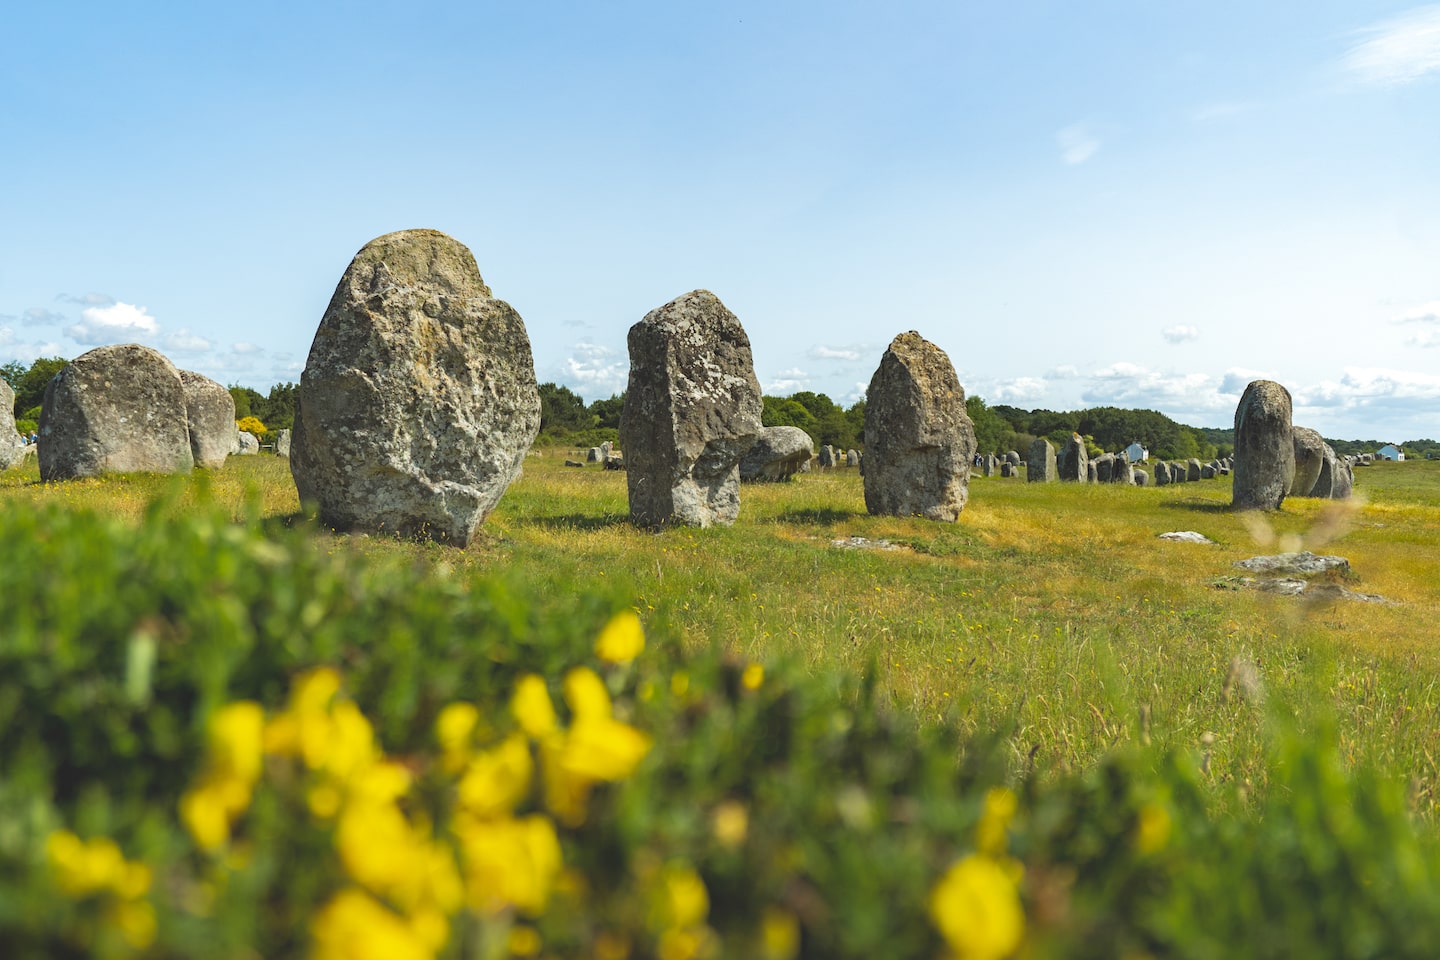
[(1162, 473), (777, 454), (282, 443), (1207, 472), (116, 409), (918, 439), (1192, 469), (210, 419), (1142, 479), (1007, 469), (606, 449), (1092, 472), (1073, 460), (827, 456), (852, 458), (987, 465), (595, 455), (1309, 456), (12, 449), (691, 412), (418, 399), (249, 444), (1042, 467), (1179, 472), (1104, 464), (1264, 447), (1120, 469), (1012, 457)]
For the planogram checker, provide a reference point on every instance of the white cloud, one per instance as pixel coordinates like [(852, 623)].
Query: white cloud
[(822, 352), (1184, 396), (88, 299), (1120, 371), (595, 371), (1425, 338), (1065, 371), (1019, 388), (1398, 51), (1424, 313), (39, 316), (116, 323), (1236, 379), (1077, 144), (183, 341), (1180, 333), (783, 387), (244, 347)]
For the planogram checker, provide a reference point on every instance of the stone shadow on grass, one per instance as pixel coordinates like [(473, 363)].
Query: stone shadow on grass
[(819, 515), (1198, 506), (579, 521)]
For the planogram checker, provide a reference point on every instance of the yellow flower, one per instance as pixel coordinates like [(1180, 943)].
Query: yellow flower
[(136, 920), (995, 819), (753, 676), (779, 934), (683, 900), (497, 780), (976, 907), (81, 867), (523, 941), (622, 640), (532, 707), (587, 696), (355, 926), (453, 728), (205, 811), (509, 862), (235, 735), (730, 823), (1153, 828)]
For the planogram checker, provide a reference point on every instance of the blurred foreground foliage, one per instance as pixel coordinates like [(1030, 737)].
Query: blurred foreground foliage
[(776, 812)]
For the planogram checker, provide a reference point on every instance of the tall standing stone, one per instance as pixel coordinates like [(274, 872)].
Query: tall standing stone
[(12, 450), (1073, 460), (1162, 473), (919, 441), (210, 418), (1264, 447), (1192, 469), (418, 399), (1309, 457), (1104, 464), (692, 410), (1041, 466), (1120, 469), (116, 409)]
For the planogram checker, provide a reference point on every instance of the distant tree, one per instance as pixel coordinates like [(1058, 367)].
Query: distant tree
[(562, 411), (786, 412), (245, 399), (30, 391), (855, 414), (277, 408), (991, 429), (607, 412), (12, 373)]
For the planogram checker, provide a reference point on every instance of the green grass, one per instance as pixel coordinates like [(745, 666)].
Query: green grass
[(1050, 611)]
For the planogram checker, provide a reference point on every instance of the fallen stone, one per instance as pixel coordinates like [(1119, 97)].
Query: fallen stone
[(1186, 536), (1303, 562)]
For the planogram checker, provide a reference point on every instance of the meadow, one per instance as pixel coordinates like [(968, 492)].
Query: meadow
[(1047, 644)]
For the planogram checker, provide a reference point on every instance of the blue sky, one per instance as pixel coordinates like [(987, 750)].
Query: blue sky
[(1137, 204)]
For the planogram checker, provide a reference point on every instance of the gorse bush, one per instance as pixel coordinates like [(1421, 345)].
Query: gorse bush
[(226, 739)]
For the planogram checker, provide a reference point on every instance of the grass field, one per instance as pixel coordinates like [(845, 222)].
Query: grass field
[(1049, 611)]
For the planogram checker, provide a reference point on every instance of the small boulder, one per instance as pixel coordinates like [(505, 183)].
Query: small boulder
[(210, 418), (777, 454)]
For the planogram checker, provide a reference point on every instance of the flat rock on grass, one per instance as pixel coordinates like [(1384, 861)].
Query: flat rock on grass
[(860, 543), (1303, 563), (1298, 587), (1186, 536)]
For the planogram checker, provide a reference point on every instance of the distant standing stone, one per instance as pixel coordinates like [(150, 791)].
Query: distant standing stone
[(249, 444), (1008, 469), (777, 454), (1073, 460), (827, 456), (12, 450), (1104, 465), (117, 409), (1120, 469), (1142, 478), (1042, 466), (418, 399), (1092, 472), (595, 455), (1192, 470), (852, 458), (1162, 473), (1012, 457), (1207, 472), (1264, 447), (919, 441), (210, 419), (1309, 457), (692, 410), (282, 443), (988, 464)]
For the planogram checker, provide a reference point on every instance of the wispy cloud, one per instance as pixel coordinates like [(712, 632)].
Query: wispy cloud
[(87, 299), (112, 324), (183, 341), (594, 370), (1236, 379), (822, 352), (1399, 50), (1077, 144), (1180, 333), (1019, 389)]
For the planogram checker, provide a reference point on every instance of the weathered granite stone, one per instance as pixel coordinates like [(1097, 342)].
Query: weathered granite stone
[(12, 449), (1207, 472), (282, 443), (1162, 473), (1120, 469), (919, 441), (210, 418), (418, 399), (1008, 469), (692, 411), (116, 409), (1072, 461), (1142, 479), (1012, 457), (1041, 466), (248, 443), (989, 464), (1303, 563), (827, 456), (852, 458), (1192, 469), (1186, 536), (1337, 478), (1309, 456), (1264, 447), (595, 455), (1104, 464), (1092, 472), (777, 454)]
